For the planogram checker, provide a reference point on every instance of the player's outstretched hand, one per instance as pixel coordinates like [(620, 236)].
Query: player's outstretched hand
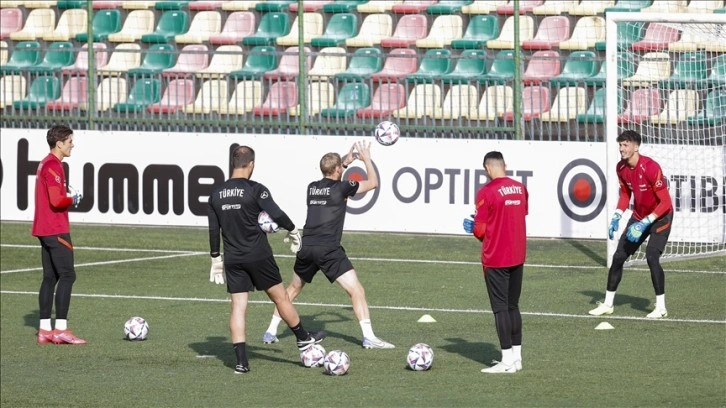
[(364, 150), (216, 273), (469, 224), (76, 195), (293, 237), (635, 232), (614, 225)]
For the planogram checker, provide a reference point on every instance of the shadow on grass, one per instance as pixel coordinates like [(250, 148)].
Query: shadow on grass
[(318, 321), (480, 352), (32, 319), (595, 256), (221, 349), (637, 303)]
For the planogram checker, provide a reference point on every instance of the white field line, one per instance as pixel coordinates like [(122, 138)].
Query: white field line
[(398, 308), (368, 259)]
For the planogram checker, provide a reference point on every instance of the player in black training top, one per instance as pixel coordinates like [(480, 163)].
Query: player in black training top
[(248, 262), (321, 250)]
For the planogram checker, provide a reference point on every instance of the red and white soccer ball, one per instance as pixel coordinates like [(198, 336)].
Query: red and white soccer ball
[(420, 357), (336, 363), (387, 133), (266, 223), (136, 329), (313, 356)]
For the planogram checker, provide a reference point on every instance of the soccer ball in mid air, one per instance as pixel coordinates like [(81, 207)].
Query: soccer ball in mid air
[(136, 328), (420, 357), (336, 363), (387, 133), (266, 223), (313, 356)]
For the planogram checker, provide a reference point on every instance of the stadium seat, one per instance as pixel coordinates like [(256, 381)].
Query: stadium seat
[(435, 63), (667, 6), (554, 7), (273, 6), (399, 63), (481, 29), (137, 24), (110, 4), (588, 31), (145, 92), (656, 38), (70, 23), (496, 100), (377, 6), (25, 54), (206, 5), (313, 27), (628, 6), (138, 5), (225, 59), (123, 58), (11, 20), (386, 99), (39, 4), (448, 7), (192, 58), (210, 98), (240, 5), (717, 78), (443, 30), (483, 6), (11, 4), (351, 97), (80, 66), (689, 41), (680, 105), (156, 59), (239, 24), (541, 67), (3, 52), (204, 25), (506, 35), (108, 93), (591, 7), (289, 67), (320, 95), (38, 23), (57, 56), (72, 95), (260, 59), (704, 6), (715, 46), (281, 97), (596, 111), (340, 27), (525, 7), (171, 24), (459, 100), (246, 95), (424, 100), (579, 66), (652, 68), (535, 102), (409, 29), (343, 6), (42, 90), (644, 103), (502, 69), (569, 102), (12, 88), (552, 30), (330, 61), (471, 64), (714, 111), (171, 5), (363, 63), (310, 6), (626, 69), (105, 23), (272, 26), (412, 6), (178, 94), (688, 70), (375, 27), (628, 33)]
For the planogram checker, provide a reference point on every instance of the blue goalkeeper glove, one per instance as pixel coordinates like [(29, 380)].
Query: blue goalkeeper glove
[(75, 195), (469, 224), (635, 232), (614, 225)]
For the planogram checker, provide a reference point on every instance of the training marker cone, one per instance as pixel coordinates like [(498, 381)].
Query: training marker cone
[(604, 326), (426, 319)]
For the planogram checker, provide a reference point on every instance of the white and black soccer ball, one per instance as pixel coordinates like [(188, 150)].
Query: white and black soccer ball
[(136, 329), (336, 362), (313, 356), (266, 223), (387, 133), (420, 357)]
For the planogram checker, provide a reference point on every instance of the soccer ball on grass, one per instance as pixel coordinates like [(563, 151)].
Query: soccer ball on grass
[(136, 329), (313, 356), (336, 363), (420, 357)]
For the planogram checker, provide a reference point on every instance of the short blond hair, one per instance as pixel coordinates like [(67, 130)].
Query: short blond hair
[(329, 162)]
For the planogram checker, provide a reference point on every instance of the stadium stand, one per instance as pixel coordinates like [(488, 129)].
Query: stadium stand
[(143, 93), (551, 32), (192, 58), (351, 97), (57, 56), (502, 69), (109, 92), (681, 104), (444, 30), (424, 100), (12, 88), (481, 28), (260, 59), (412, 6), (483, 6), (714, 111), (70, 23), (691, 67), (340, 27), (239, 5), (569, 102), (409, 29), (313, 27), (363, 63), (42, 90), (458, 100), (377, 6), (643, 104), (542, 66), (124, 57), (386, 99), (210, 98), (289, 67), (375, 27), (330, 61), (226, 58), (246, 95), (497, 100), (272, 26), (11, 20), (72, 95), (320, 95), (281, 97), (535, 101), (434, 63), (588, 31), (579, 66), (38, 23), (525, 6), (157, 58), (204, 25), (399, 63), (239, 24), (137, 24), (506, 35), (171, 23), (25, 54), (469, 66), (310, 6), (105, 23)]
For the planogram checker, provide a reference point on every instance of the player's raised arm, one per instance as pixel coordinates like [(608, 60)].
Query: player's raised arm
[(364, 153)]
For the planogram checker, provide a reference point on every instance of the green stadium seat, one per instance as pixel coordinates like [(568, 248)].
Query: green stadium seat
[(272, 25), (25, 54), (689, 70), (145, 92), (720, 11), (628, 33), (71, 4), (435, 63), (105, 22), (340, 27), (470, 65), (273, 6), (172, 5), (596, 111), (502, 69), (261, 59), (578, 66), (481, 28), (58, 55), (351, 97), (714, 113), (448, 7), (629, 6), (718, 72), (42, 90), (343, 6), (171, 24), (363, 63), (626, 69), (158, 58)]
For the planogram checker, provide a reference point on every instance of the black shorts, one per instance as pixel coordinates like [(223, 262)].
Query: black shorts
[(658, 232), (246, 276), (504, 286), (332, 260)]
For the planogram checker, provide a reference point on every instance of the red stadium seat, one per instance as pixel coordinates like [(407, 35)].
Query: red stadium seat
[(178, 94), (657, 37), (551, 31), (80, 67), (386, 99), (239, 24), (399, 63), (192, 58), (644, 103), (310, 6), (542, 67), (535, 101), (412, 6), (289, 66), (281, 97), (409, 29), (73, 94), (11, 20)]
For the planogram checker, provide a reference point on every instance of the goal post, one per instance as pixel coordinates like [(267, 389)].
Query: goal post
[(673, 93)]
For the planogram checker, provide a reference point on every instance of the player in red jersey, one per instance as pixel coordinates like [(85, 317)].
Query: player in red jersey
[(50, 224), (642, 178), (499, 222)]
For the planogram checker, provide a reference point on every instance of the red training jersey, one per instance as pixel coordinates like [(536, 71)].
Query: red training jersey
[(51, 201), (501, 207), (648, 186)]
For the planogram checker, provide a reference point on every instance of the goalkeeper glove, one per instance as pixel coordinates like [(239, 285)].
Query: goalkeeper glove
[(76, 195), (469, 224), (614, 225), (636, 230), (216, 273), (295, 240)]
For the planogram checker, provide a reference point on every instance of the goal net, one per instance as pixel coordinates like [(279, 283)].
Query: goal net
[(666, 79)]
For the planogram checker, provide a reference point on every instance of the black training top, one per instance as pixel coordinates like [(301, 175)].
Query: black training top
[(327, 200)]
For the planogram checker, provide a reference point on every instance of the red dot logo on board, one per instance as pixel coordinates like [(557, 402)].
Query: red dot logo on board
[(581, 190), (360, 203)]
